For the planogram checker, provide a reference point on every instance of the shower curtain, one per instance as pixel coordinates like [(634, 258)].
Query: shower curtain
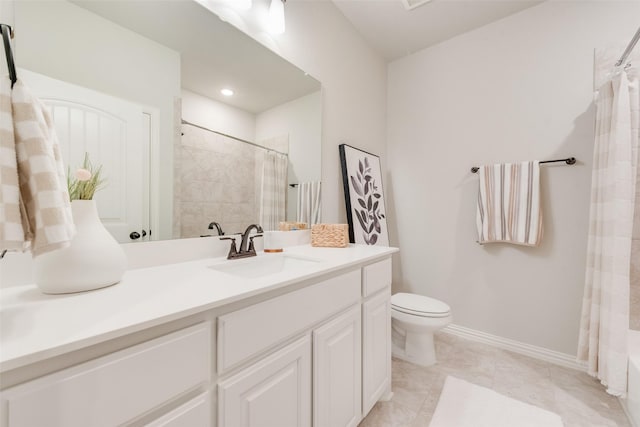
[(274, 190), (308, 209), (605, 310)]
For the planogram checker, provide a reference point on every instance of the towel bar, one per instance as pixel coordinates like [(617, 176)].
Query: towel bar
[(568, 160)]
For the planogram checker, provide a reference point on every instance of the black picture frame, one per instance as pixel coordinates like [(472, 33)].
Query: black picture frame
[(364, 196)]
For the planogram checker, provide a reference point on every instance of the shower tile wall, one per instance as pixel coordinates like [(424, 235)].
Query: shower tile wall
[(217, 183)]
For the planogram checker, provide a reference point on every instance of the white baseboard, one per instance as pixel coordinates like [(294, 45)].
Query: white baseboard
[(533, 351)]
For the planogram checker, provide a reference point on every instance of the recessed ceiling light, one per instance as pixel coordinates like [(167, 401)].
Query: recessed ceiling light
[(226, 92)]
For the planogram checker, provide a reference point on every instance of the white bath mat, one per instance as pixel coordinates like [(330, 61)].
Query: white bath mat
[(463, 404)]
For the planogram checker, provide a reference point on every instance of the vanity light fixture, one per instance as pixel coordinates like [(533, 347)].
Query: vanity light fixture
[(226, 92), (276, 17)]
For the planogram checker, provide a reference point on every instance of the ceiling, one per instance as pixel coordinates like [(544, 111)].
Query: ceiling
[(213, 53), (396, 32), (260, 78)]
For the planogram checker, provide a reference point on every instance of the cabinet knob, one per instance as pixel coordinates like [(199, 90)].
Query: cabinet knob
[(134, 235)]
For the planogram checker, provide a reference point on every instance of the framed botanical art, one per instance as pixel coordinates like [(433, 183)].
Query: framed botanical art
[(364, 196)]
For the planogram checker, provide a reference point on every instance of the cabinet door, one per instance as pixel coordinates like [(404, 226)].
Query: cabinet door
[(274, 392), (337, 384), (376, 348)]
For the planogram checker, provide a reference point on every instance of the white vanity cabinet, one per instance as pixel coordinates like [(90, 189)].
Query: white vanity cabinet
[(274, 392), (337, 373), (277, 389), (118, 388), (317, 353), (376, 333), (344, 322), (194, 413)]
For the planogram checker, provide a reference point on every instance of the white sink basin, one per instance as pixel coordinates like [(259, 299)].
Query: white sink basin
[(264, 265)]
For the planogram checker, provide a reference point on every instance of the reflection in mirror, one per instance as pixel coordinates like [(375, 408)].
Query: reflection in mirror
[(229, 179), (211, 158)]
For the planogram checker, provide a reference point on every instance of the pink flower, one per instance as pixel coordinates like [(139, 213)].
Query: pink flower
[(83, 175)]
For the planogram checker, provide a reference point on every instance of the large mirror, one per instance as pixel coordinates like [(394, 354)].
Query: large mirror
[(137, 84)]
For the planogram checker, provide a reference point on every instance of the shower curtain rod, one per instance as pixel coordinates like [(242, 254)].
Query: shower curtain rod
[(629, 48), (184, 122), (568, 160)]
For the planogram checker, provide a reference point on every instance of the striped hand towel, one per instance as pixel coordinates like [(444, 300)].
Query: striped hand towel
[(11, 229), (46, 214), (509, 204)]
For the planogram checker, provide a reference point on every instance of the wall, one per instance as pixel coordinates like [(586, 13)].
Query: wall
[(64, 41), (518, 89), (217, 116)]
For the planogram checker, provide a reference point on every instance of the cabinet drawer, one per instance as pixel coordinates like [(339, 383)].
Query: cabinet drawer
[(194, 413), (376, 277), (247, 332), (114, 389)]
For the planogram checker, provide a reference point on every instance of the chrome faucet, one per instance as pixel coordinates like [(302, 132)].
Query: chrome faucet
[(217, 226), (247, 249)]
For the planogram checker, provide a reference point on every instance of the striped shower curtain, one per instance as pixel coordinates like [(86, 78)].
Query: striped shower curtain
[(274, 190), (308, 208), (605, 310)]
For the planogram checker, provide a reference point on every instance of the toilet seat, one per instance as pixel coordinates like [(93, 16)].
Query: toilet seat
[(419, 305)]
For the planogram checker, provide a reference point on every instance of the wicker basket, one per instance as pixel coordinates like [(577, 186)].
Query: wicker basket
[(330, 235), (290, 225)]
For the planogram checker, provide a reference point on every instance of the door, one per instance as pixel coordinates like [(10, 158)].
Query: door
[(117, 135), (337, 384), (274, 392), (376, 348)]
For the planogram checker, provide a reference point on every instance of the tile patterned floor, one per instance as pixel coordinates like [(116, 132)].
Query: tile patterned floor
[(579, 399)]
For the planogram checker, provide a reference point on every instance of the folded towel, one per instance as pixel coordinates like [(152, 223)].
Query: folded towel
[(11, 230), (509, 204), (47, 218)]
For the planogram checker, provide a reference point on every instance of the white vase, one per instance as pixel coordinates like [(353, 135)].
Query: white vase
[(94, 259)]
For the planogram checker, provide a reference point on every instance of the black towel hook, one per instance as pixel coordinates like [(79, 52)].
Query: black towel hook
[(7, 32)]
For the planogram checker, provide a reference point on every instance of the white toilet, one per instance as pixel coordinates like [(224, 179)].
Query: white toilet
[(414, 319)]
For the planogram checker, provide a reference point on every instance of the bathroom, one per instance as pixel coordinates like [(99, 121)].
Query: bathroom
[(517, 88)]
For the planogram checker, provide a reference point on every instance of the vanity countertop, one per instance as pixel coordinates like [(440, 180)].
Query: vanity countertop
[(35, 326)]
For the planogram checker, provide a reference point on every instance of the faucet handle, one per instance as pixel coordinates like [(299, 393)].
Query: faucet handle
[(251, 246), (233, 250)]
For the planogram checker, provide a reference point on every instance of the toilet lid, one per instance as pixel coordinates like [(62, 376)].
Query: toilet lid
[(419, 305)]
